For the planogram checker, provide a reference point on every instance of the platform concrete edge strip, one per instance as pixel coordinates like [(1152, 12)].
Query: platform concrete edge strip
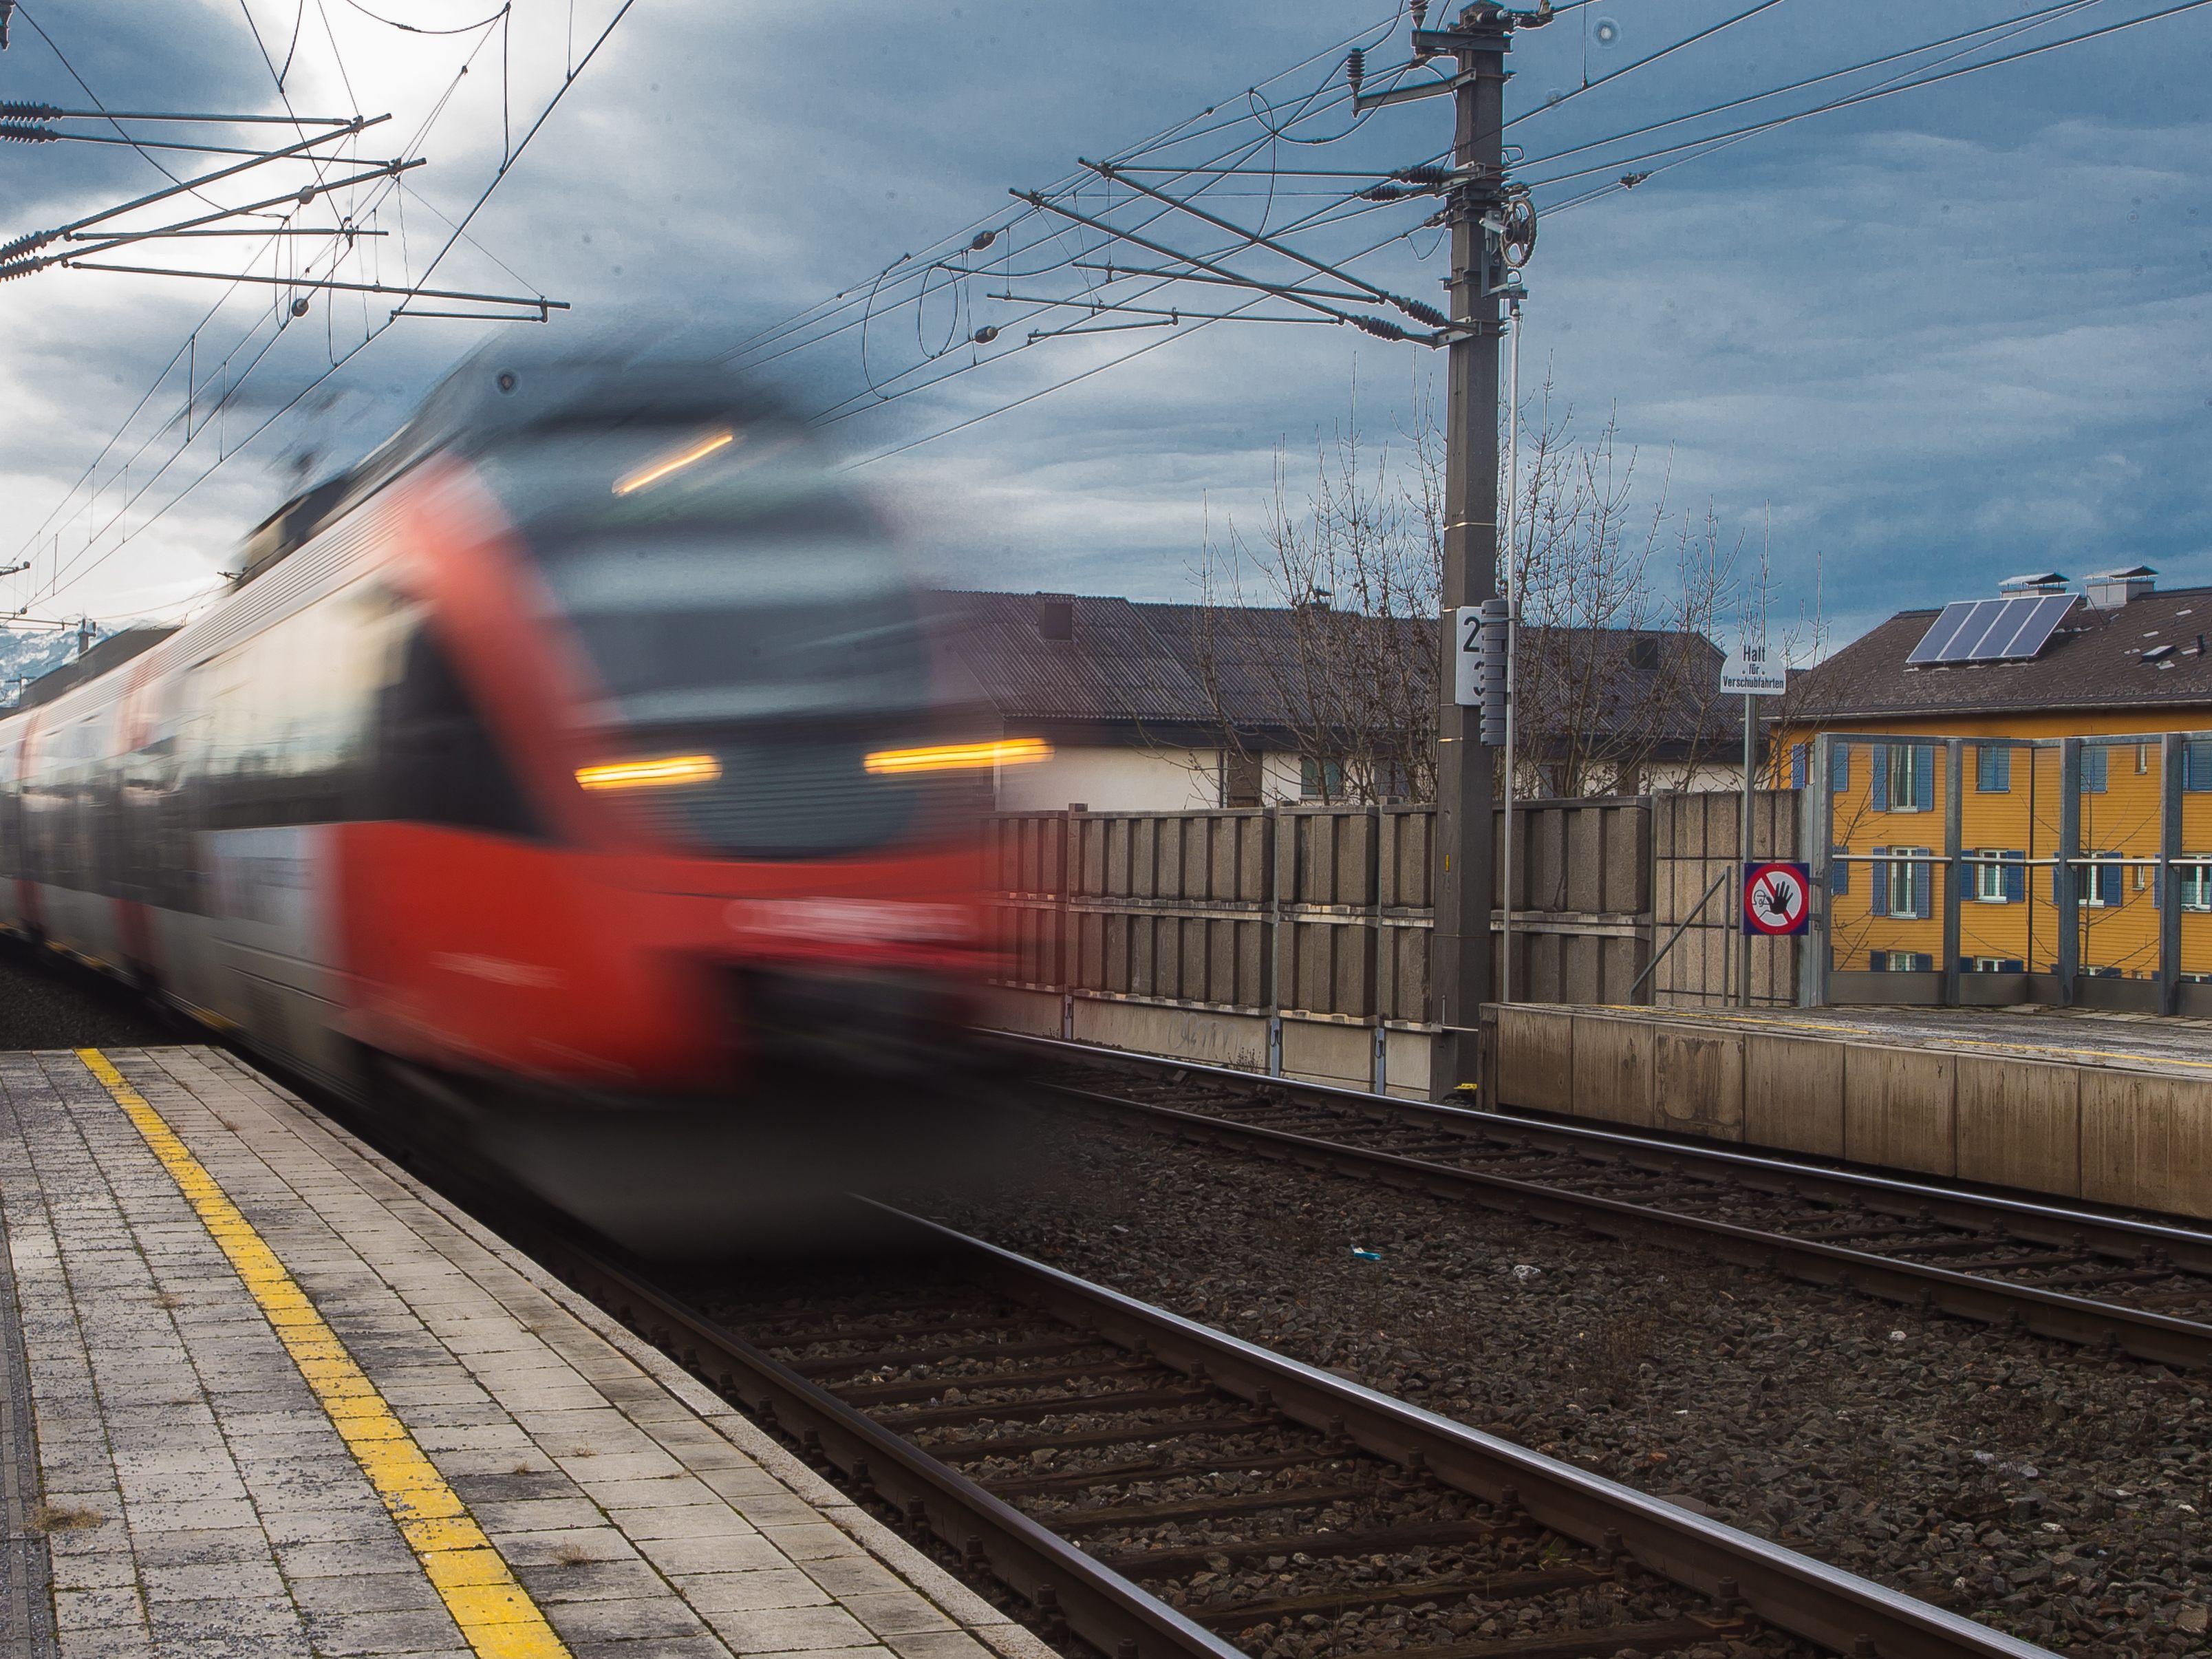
[(989, 1624), (495, 1615), (27, 1608)]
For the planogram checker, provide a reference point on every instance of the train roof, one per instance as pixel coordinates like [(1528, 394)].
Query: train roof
[(508, 388)]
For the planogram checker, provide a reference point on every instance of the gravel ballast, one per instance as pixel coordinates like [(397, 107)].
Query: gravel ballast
[(2044, 1490), (47, 1003)]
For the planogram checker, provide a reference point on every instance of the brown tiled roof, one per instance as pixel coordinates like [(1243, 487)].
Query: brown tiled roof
[(2094, 661), (1135, 665)]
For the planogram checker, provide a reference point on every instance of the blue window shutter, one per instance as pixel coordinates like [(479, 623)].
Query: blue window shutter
[(1922, 963), (2013, 965), (2094, 761), (1878, 888), (2056, 870), (1879, 793), (1839, 767), (1800, 758), (1993, 769), (1839, 873), (1924, 775), (1878, 960), (2016, 878), (2157, 886), (2108, 883), (2197, 765), (1924, 888)]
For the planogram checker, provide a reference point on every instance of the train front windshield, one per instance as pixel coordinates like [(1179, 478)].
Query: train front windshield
[(740, 609)]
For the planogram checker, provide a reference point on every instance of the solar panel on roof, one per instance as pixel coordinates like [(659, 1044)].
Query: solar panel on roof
[(1942, 632), (1991, 630)]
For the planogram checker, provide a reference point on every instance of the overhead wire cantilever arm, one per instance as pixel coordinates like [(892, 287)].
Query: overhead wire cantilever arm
[(399, 288), (99, 244), (1113, 271), (1414, 308), (1375, 326), (17, 110), (40, 239)]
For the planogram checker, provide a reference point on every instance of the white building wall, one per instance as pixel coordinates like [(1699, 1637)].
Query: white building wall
[(1107, 780)]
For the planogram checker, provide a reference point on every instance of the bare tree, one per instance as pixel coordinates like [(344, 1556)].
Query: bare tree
[(1316, 632)]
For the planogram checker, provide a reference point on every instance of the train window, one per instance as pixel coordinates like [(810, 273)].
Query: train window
[(437, 761)]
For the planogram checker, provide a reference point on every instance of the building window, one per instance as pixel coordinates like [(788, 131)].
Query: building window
[(1993, 768), (1320, 780), (1241, 779), (2195, 881), (2197, 765), (1904, 777), (2000, 876), (1994, 965), (1643, 653), (2143, 757), (1905, 880), (1902, 962), (2098, 880)]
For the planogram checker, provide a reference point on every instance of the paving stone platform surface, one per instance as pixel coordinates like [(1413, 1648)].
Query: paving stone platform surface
[(196, 1498)]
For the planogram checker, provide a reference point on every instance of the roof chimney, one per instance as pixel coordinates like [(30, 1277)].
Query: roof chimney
[(1055, 616), (2108, 590), (2040, 581)]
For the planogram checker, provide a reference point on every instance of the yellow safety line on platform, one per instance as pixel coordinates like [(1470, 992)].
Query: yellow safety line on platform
[(497, 1616), (1925, 1039)]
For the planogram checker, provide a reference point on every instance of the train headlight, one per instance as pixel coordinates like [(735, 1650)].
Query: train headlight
[(664, 773), (655, 471), (961, 756)]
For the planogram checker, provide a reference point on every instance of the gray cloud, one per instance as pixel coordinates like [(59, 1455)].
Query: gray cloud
[(1940, 337)]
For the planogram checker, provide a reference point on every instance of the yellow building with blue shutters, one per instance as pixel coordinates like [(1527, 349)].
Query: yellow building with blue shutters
[(2018, 798)]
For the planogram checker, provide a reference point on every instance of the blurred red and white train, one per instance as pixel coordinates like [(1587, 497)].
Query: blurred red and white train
[(580, 762)]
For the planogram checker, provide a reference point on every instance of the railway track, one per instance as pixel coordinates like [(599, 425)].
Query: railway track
[(1156, 1488), (2107, 1281)]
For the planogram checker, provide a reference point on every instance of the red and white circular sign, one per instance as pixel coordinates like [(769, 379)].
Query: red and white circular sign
[(1775, 897)]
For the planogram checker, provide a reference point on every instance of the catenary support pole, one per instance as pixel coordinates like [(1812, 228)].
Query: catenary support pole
[(1466, 767)]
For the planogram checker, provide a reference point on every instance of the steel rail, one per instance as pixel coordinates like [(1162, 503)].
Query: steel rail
[(1807, 1598), (2157, 1337), (1049, 1572)]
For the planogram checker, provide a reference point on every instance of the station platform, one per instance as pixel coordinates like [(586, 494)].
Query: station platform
[(2074, 1036), (262, 1394), (2113, 1108)]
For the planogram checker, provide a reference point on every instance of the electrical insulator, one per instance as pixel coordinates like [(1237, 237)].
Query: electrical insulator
[(1420, 11), (23, 132), (37, 239), (15, 110), (1355, 69)]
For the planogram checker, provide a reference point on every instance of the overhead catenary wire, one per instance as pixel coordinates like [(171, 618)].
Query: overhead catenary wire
[(79, 570), (1873, 94)]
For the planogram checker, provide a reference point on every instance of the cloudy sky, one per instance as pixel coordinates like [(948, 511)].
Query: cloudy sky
[(1930, 340)]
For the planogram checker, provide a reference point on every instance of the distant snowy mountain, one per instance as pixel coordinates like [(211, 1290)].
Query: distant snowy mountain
[(31, 655)]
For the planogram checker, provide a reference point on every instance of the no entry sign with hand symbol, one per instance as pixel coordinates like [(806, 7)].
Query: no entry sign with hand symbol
[(1776, 895)]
